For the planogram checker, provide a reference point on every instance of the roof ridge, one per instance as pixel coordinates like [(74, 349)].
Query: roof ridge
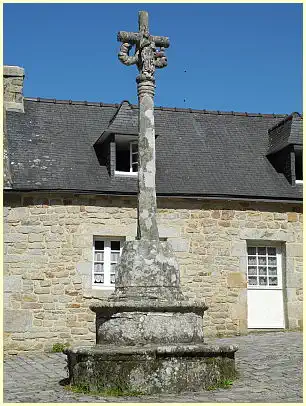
[(162, 108), (291, 116)]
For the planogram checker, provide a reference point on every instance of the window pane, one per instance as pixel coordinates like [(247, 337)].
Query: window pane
[(252, 261), (252, 250), (115, 245), (99, 245), (252, 280), (134, 147), (99, 278), (252, 270), (99, 268), (112, 278), (122, 157), (113, 268), (272, 260), (99, 256), (273, 281), (262, 260), (262, 281), (271, 251), (115, 256), (298, 165), (261, 250), (272, 270), (262, 270)]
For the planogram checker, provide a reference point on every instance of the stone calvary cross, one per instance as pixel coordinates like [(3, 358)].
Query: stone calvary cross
[(147, 58), (149, 337)]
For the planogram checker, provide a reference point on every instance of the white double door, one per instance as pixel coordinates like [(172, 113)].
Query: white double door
[(265, 289)]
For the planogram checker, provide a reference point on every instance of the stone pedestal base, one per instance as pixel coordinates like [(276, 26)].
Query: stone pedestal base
[(149, 322), (150, 368)]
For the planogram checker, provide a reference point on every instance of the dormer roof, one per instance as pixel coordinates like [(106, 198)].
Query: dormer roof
[(287, 132), (124, 121)]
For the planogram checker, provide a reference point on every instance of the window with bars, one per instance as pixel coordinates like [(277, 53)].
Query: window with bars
[(264, 267), (106, 253)]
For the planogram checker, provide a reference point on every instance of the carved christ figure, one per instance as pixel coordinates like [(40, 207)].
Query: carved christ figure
[(149, 50)]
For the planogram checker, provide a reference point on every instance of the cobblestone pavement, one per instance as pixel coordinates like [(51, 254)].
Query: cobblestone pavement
[(270, 367)]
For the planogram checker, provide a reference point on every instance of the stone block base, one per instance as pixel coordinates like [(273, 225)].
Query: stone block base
[(152, 368), (149, 322)]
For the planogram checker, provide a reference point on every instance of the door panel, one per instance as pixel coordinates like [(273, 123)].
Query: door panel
[(265, 308)]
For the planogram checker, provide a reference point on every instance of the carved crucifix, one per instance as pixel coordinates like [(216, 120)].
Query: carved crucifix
[(149, 55)]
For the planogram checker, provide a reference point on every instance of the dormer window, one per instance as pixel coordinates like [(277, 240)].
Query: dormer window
[(298, 166), (285, 148), (126, 155)]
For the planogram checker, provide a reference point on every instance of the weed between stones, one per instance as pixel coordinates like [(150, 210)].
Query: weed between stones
[(115, 391), (226, 384), (59, 347)]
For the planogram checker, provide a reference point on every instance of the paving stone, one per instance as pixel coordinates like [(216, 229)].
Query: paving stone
[(270, 368)]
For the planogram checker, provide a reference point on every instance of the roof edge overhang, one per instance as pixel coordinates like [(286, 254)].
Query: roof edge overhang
[(284, 146), (165, 195), (106, 134)]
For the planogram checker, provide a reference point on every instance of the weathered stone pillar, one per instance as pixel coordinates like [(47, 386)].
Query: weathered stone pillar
[(147, 225)]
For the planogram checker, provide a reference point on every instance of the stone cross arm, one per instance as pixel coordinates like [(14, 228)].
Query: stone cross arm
[(135, 37)]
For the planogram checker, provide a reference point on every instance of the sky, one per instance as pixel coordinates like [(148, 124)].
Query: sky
[(227, 57)]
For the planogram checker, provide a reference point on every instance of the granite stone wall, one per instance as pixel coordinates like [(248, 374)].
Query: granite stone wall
[(48, 252)]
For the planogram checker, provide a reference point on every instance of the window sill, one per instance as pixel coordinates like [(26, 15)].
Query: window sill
[(95, 287), (298, 182), (126, 174)]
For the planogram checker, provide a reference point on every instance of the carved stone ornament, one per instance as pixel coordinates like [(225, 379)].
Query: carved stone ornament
[(149, 52)]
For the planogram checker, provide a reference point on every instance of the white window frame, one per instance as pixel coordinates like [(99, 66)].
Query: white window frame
[(107, 285), (279, 266), (132, 153), (298, 181)]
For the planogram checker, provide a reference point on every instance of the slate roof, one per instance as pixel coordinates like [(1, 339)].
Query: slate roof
[(198, 152), (288, 132)]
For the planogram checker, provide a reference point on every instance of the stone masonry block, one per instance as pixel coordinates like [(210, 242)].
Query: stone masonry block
[(18, 214), (12, 283), (13, 71), (239, 249), (179, 244), (294, 250), (236, 280), (168, 232), (17, 321)]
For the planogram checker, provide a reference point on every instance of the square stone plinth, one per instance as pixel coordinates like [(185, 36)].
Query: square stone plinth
[(152, 368)]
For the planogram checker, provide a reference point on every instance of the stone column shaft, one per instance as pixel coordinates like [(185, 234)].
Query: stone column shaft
[(147, 224)]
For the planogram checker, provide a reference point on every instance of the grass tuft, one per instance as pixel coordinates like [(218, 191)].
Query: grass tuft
[(59, 347)]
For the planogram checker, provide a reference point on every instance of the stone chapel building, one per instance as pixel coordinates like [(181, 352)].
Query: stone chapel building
[(229, 197)]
